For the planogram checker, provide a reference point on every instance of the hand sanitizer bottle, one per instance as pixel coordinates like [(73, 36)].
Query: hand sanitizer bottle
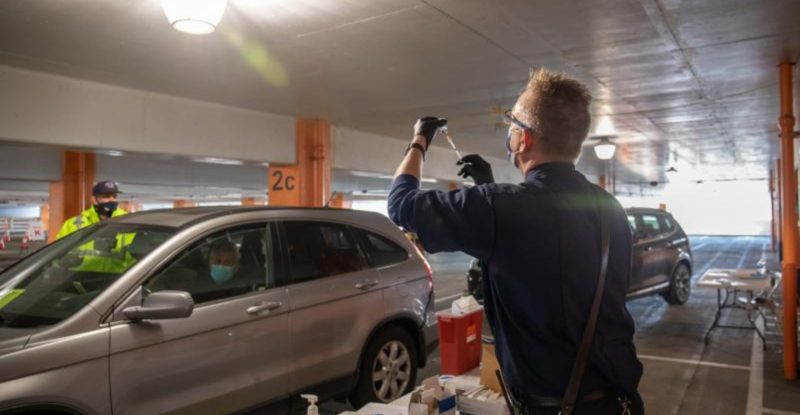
[(312, 407)]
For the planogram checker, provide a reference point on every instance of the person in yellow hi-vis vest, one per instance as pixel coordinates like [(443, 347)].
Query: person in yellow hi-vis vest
[(104, 206), (109, 259)]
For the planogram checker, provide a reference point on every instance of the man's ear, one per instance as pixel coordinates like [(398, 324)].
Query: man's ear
[(527, 141)]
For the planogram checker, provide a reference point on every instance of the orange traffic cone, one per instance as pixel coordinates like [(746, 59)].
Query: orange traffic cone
[(25, 245)]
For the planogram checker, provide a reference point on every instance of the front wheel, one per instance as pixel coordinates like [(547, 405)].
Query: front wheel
[(388, 370), (681, 285)]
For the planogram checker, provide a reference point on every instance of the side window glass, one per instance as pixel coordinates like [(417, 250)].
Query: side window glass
[(320, 249), (632, 223), (380, 250), (226, 264), (651, 225), (667, 224)]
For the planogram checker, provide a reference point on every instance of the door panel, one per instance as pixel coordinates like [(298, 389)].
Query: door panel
[(219, 360), (330, 321), (335, 299)]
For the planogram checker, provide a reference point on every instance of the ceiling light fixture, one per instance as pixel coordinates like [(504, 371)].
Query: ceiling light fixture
[(605, 149), (197, 17)]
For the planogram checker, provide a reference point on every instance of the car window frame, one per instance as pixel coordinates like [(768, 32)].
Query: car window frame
[(649, 235), (663, 219), (284, 242), (362, 246), (193, 244)]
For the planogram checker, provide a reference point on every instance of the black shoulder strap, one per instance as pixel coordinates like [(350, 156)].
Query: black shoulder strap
[(579, 366)]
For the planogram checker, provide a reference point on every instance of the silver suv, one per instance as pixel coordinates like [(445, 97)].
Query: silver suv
[(215, 310)]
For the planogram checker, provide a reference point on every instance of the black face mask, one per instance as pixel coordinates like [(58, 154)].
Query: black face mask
[(106, 209)]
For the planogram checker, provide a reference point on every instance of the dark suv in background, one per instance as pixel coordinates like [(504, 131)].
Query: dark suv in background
[(662, 258)]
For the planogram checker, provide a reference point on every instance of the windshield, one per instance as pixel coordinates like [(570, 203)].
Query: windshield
[(58, 280)]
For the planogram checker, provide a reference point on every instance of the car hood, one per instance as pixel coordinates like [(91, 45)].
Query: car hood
[(12, 339)]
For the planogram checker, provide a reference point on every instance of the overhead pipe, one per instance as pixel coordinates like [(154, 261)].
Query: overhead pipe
[(789, 196)]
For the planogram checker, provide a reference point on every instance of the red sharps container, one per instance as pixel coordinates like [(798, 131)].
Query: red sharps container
[(460, 340)]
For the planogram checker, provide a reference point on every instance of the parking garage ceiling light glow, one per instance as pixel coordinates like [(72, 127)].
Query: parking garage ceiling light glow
[(197, 17), (605, 149), (605, 127)]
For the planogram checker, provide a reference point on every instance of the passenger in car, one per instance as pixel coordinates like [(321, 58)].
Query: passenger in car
[(224, 278)]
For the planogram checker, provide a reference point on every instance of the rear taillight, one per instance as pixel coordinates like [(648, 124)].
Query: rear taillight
[(428, 268)]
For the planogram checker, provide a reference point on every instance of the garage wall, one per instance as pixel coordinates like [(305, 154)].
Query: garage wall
[(55, 110)]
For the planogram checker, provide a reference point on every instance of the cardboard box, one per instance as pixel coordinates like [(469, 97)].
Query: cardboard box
[(489, 365)]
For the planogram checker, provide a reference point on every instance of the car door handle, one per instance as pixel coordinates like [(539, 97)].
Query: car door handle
[(263, 306), (365, 285)]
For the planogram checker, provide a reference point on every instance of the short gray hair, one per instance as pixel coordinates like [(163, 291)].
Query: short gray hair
[(558, 110)]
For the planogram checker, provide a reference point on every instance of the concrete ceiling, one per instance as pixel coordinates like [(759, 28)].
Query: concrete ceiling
[(688, 83)]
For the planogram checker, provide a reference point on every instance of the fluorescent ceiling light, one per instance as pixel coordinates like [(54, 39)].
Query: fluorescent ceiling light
[(197, 17), (605, 149), (217, 160), (427, 180)]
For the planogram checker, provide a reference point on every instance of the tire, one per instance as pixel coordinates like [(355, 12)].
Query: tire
[(681, 286), (378, 360)]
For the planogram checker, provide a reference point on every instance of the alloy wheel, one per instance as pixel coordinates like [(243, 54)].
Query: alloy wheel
[(682, 283), (391, 371)]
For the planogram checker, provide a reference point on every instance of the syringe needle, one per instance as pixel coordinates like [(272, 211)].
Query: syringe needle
[(452, 144)]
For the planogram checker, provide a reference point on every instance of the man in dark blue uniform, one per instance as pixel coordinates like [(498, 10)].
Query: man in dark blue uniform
[(540, 246)]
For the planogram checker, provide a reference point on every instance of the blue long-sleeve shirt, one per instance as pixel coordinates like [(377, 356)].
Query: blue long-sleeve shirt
[(539, 243)]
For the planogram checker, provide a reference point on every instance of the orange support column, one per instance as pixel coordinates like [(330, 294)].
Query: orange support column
[(314, 161), (601, 181), (789, 199), (183, 203), (73, 194)]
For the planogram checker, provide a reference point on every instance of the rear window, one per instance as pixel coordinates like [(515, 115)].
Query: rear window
[(668, 225), (651, 225), (380, 250), (320, 249)]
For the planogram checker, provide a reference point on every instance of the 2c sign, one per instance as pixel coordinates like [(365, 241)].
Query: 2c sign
[(284, 186)]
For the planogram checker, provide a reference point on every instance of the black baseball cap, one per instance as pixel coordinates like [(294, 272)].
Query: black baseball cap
[(106, 187)]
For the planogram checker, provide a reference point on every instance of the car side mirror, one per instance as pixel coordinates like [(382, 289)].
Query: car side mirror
[(162, 305)]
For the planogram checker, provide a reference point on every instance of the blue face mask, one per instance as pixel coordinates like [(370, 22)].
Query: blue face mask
[(221, 273)]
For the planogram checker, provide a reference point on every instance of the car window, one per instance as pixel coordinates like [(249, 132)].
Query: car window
[(666, 223), (320, 249), (225, 264), (380, 250), (61, 278), (650, 224), (632, 222)]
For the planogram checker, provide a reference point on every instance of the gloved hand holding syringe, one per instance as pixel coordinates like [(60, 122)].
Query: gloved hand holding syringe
[(474, 166), (450, 140)]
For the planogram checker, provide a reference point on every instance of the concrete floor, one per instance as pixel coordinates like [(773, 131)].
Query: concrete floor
[(732, 375)]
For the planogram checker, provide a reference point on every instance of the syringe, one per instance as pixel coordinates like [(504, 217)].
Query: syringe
[(450, 140)]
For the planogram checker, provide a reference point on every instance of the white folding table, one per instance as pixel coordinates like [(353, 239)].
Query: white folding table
[(751, 283)]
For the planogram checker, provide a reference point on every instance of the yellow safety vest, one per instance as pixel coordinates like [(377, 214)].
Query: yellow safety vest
[(115, 261)]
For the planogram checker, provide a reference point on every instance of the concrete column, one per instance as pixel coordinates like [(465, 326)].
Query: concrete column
[(314, 161), (789, 202), (183, 203), (339, 201), (251, 201), (73, 193)]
